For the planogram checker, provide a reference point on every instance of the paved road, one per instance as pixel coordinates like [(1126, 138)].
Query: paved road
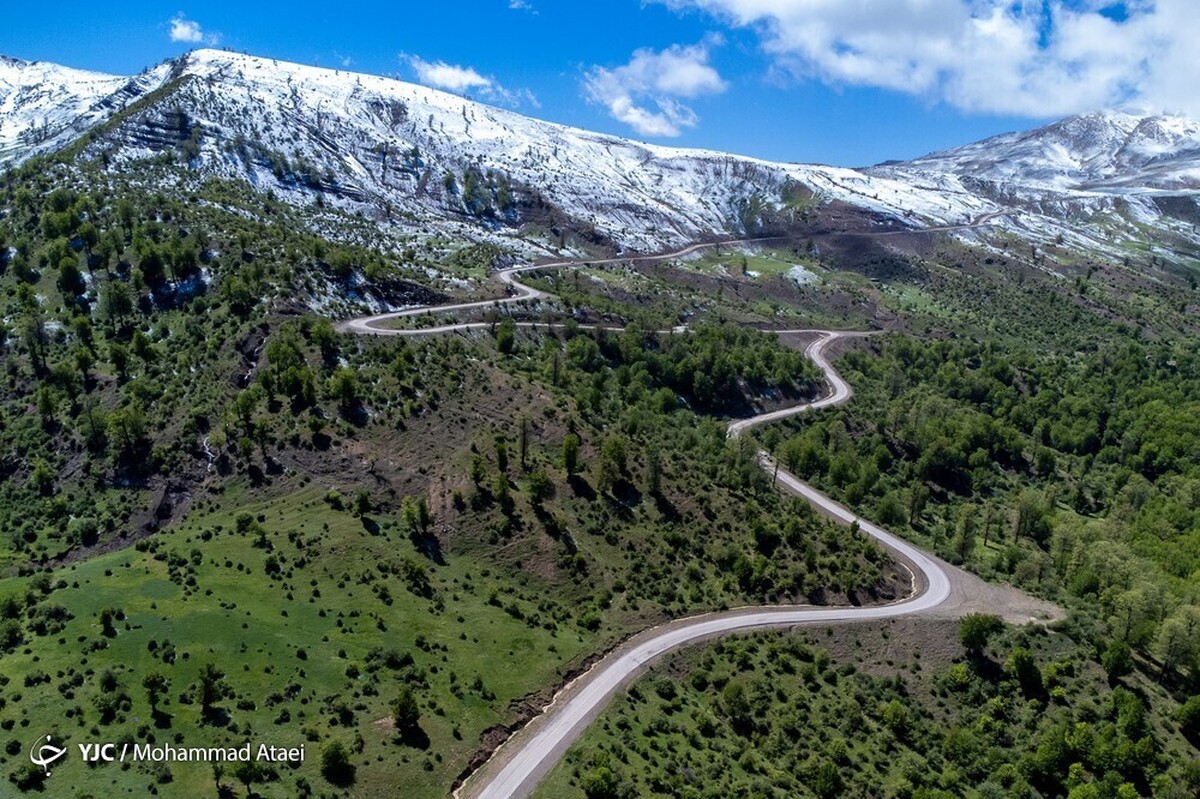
[(371, 325), (517, 766), (839, 393), (546, 739)]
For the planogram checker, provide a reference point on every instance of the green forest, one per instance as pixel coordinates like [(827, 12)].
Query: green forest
[(199, 471), (1073, 477), (891, 711)]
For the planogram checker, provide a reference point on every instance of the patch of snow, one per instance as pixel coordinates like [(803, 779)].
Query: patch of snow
[(802, 276)]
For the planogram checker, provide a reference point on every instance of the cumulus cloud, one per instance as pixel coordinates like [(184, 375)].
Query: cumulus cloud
[(645, 93), (189, 31), (521, 5), (467, 81), (1044, 58), (450, 77)]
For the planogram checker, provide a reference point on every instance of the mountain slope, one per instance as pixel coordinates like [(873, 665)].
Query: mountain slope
[(413, 160), (44, 106), (437, 158), (1102, 151)]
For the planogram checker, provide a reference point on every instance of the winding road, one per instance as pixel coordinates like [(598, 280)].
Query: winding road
[(521, 762), (370, 325)]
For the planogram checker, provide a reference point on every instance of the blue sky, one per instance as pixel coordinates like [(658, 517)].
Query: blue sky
[(848, 82)]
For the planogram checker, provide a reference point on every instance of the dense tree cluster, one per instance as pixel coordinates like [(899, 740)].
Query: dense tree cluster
[(1076, 477), (134, 333), (714, 369), (777, 716)]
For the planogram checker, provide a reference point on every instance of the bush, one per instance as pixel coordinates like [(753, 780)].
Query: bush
[(540, 487), (1188, 716), (601, 783), (335, 763), (976, 629), (1117, 660), (506, 335), (1024, 669), (405, 710), (28, 777)]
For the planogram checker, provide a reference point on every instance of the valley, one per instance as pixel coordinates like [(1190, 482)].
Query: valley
[(347, 414)]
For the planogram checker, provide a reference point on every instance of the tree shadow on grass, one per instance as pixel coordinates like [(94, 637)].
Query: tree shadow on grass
[(986, 668), (215, 717), (356, 415), (582, 488), (481, 499), (430, 547), (343, 777), (627, 494), (414, 737), (548, 521), (666, 508)]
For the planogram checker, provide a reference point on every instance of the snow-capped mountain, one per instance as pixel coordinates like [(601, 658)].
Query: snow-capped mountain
[(433, 156), (1102, 151), (437, 158), (415, 159), (45, 106)]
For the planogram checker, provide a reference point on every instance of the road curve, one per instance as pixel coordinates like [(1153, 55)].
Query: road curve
[(370, 325), (840, 391), (546, 739), (564, 721)]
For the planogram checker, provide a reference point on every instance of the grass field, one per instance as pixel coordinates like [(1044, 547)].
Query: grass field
[(321, 647), (319, 608)]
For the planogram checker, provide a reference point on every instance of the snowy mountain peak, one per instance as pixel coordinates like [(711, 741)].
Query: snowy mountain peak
[(1101, 151), (41, 77), (416, 156), (419, 160), (44, 106)]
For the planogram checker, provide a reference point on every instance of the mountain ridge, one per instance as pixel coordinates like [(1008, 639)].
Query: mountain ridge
[(1089, 152), (44, 106), (421, 159)]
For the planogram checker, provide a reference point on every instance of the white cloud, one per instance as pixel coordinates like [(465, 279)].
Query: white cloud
[(184, 30), (467, 80), (190, 32), (643, 93), (522, 5), (450, 77), (997, 56)]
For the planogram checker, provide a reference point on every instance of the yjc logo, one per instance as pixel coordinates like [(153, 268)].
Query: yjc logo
[(95, 753), (42, 756)]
